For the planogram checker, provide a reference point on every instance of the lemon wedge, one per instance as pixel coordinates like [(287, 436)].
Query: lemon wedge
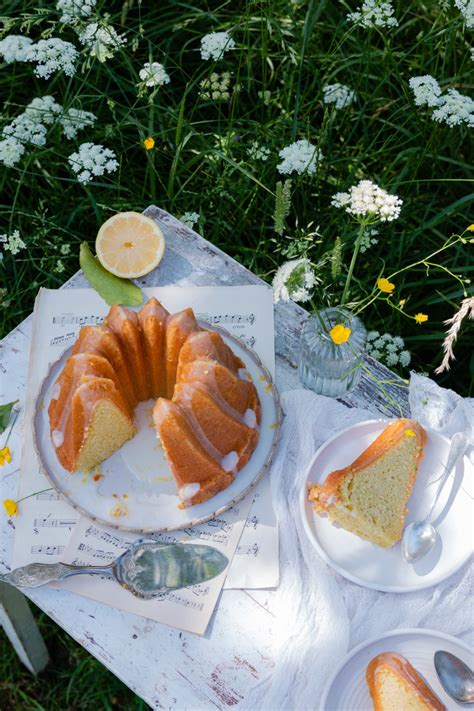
[(130, 245)]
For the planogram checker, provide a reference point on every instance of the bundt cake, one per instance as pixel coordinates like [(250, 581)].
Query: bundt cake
[(207, 412), (369, 497), (395, 685)]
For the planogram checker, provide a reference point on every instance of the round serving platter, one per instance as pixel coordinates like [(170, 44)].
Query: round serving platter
[(384, 569), (347, 687), (134, 489)]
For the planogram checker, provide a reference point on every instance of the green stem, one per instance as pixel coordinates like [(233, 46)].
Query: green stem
[(353, 261)]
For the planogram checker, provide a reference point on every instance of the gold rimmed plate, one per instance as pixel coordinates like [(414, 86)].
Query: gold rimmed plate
[(134, 490)]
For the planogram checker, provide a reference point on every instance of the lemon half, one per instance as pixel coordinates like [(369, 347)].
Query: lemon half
[(130, 245)]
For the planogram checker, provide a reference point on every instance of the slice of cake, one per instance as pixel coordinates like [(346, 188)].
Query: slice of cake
[(395, 685), (369, 497)]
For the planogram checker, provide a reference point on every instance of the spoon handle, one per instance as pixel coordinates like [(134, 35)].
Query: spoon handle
[(36, 574), (459, 444)]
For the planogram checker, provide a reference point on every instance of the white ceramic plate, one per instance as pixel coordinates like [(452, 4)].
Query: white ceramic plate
[(138, 477), (384, 569), (347, 689)]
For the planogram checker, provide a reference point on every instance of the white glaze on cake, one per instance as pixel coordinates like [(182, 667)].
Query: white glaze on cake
[(230, 461)]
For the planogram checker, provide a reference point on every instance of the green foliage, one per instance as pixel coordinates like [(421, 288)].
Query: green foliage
[(112, 289), (282, 205), (5, 412), (336, 258)]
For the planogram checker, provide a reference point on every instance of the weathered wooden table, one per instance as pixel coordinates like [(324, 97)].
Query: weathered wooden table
[(168, 668)]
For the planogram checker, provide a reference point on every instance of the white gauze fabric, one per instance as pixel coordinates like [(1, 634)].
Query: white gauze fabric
[(320, 615)]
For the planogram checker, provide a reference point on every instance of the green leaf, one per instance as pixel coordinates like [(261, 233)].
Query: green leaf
[(112, 289), (5, 412)]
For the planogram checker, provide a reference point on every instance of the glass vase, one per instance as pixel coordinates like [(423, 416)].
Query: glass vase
[(326, 367)]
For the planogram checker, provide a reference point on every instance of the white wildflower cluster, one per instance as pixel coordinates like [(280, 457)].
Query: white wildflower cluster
[(190, 219), (92, 160), (216, 86), (26, 130), (11, 151), (299, 157), (294, 280), (374, 13), (366, 199), (73, 120), (388, 349), (153, 74), (451, 108), (13, 48), (258, 152), (43, 109), (215, 44), (74, 10), (101, 40), (338, 94), (368, 239), (50, 55), (12, 243), (59, 267), (466, 8)]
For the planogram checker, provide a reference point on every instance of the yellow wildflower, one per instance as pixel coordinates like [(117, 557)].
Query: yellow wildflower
[(149, 143), (385, 285), (402, 303), (5, 456), (421, 318), (10, 507), (470, 228), (340, 334)]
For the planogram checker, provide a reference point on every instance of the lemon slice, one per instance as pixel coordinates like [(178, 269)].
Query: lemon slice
[(130, 245)]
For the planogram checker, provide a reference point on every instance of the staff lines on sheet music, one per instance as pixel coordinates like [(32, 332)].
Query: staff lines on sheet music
[(228, 318)]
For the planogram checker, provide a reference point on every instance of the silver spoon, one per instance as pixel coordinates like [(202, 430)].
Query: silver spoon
[(420, 536), (147, 569), (455, 676)]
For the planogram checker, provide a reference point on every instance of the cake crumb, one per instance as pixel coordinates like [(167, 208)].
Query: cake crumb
[(119, 510)]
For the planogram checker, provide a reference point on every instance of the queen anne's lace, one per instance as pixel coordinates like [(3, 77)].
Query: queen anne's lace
[(52, 55), (73, 120), (92, 160), (299, 157), (451, 108), (26, 130), (216, 86), (73, 10), (13, 243), (366, 199), (258, 152), (189, 219), (339, 95), (388, 349), (11, 151), (13, 48), (294, 280), (215, 44), (43, 109), (374, 13), (101, 40), (153, 74), (466, 7)]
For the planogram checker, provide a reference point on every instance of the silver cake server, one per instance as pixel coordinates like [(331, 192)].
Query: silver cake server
[(147, 569)]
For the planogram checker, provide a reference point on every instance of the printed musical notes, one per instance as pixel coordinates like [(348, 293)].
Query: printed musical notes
[(63, 339), (47, 550), (55, 522), (68, 319), (233, 319)]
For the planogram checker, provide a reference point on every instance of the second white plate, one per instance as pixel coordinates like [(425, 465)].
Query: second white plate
[(384, 569)]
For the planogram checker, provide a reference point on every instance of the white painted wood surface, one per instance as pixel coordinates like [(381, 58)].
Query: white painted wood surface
[(168, 668)]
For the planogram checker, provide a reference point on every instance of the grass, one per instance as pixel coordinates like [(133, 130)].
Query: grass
[(286, 51)]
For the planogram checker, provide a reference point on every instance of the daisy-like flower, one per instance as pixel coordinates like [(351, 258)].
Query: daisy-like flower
[(426, 90), (52, 55), (153, 74), (26, 130), (374, 13), (215, 44), (92, 160), (454, 109), (366, 199), (421, 318), (294, 280), (190, 219), (73, 120), (466, 7), (10, 506), (258, 152), (299, 157), (11, 151), (13, 243), (74, 10), (340, 334), (216, 86), (385, 285), (43, 109), (101, 40), (339, 95), (13, 48)]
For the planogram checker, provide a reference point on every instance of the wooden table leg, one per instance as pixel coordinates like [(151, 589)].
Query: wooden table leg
[(21, 629)]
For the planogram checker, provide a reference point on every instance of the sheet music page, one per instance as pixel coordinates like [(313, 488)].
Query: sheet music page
[(189, 609), (46, 521)]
